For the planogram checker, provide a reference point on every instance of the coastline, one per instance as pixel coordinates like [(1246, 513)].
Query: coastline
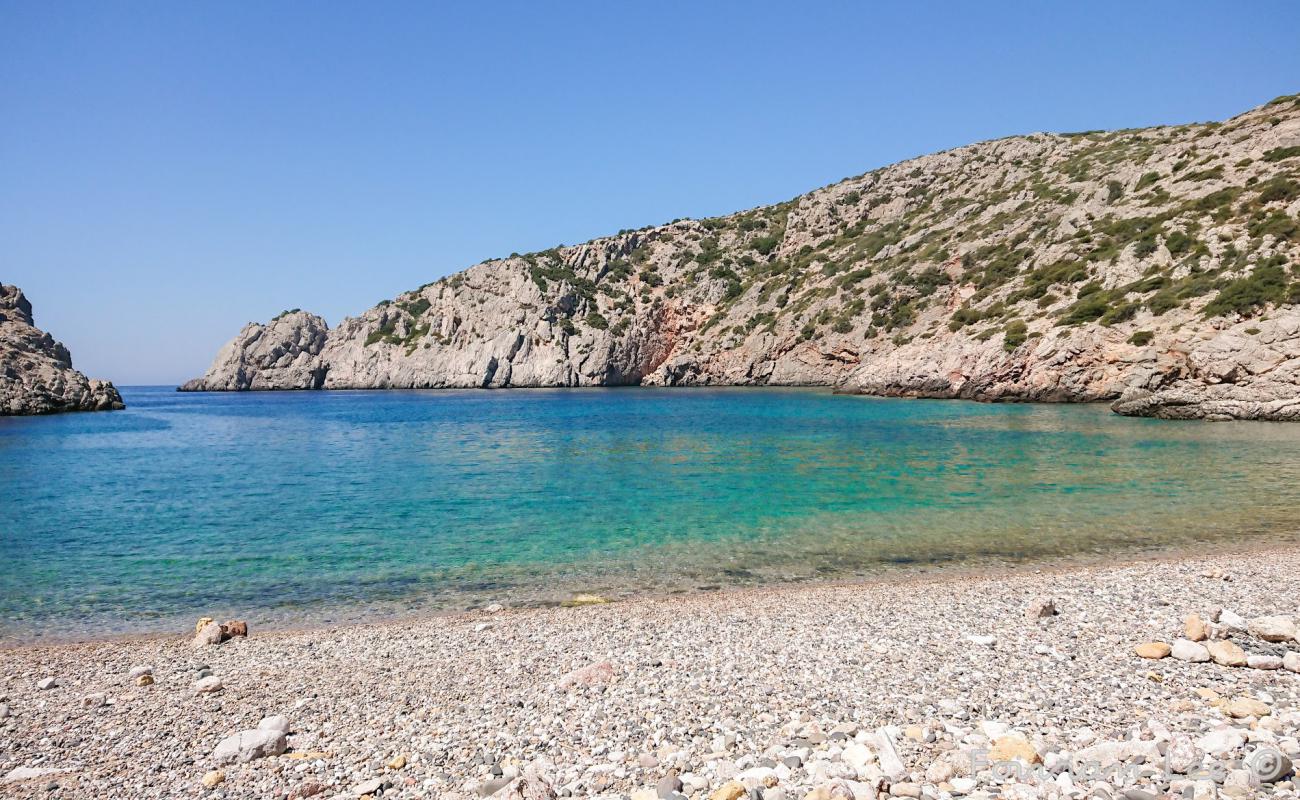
[(917, 574), (713, 686)]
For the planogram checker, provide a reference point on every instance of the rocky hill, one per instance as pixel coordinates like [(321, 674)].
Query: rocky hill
[(1154, 266), (36, 374)]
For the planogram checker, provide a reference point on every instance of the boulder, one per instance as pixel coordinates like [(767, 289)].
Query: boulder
[(1226, 653), (245, 746), (209, 634), (1189, 650), (1275, 628)]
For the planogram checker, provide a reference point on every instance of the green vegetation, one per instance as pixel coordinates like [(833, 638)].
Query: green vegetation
[(1282, 153), (1277, 224), (1141, 338), (1268, 284), (1038, 281), (764, 245), (1278, 189), (1146, 180), (417, 307), (1014, 334)]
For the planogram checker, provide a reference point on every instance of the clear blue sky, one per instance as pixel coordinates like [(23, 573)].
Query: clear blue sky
[(171, 171)]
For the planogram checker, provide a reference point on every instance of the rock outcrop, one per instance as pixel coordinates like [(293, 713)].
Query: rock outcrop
[(283, 354), (1077, 267), (36, 374), (1250, 370)]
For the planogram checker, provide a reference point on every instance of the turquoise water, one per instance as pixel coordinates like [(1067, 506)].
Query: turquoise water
[(327, 506)]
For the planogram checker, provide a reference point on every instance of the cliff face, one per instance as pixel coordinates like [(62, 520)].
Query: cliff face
[(1076, 267), (36, 374)]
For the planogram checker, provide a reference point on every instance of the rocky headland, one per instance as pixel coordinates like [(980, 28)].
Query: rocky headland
[(36, 374), (1155, 266), (1158, 679)]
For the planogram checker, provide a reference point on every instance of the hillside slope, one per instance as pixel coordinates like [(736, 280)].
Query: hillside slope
[(1155, 264), (36, 374)]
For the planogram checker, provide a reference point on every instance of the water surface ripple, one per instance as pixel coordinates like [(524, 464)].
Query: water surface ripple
[(319, 506)]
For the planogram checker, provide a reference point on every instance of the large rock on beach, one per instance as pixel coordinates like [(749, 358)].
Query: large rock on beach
[(245, 746)]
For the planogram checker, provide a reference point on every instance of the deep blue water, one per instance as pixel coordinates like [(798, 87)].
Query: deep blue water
[(282, 507)]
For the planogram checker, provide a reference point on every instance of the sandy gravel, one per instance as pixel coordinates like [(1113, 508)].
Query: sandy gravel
[(771, 693)]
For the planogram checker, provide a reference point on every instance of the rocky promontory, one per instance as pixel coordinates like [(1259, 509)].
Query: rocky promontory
[(1156, 267), (36, 374)]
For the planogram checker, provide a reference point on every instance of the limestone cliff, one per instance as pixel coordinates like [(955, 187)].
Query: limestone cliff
[(36, 374), (1058, 267)]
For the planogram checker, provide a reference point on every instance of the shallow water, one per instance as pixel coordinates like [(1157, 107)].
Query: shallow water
[(308, 507)]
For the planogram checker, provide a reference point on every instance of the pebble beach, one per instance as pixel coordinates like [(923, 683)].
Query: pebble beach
[(1173, 677)]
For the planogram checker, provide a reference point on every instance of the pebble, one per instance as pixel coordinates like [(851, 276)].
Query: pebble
[(731, 790), (208, 685), (213, 778), (45, 684), (278, 723), (1152, 650), (1221, 741), (1226, 653), (671, 691), (137, 671), (1012, 747), (1195, 628), (1189, 650), (1246, 707), (1042, 608), (1231, 621), (1255, 661), (668, 785)]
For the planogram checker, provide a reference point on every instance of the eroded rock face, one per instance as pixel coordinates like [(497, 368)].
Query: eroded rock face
[(1250, 370), (282, 354), (1073, 268), (36, 374)]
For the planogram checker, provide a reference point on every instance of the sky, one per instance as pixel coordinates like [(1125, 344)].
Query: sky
[(172, 171)]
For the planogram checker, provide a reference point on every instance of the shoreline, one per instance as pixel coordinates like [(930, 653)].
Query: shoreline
[(787, 691), (919, 574)]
